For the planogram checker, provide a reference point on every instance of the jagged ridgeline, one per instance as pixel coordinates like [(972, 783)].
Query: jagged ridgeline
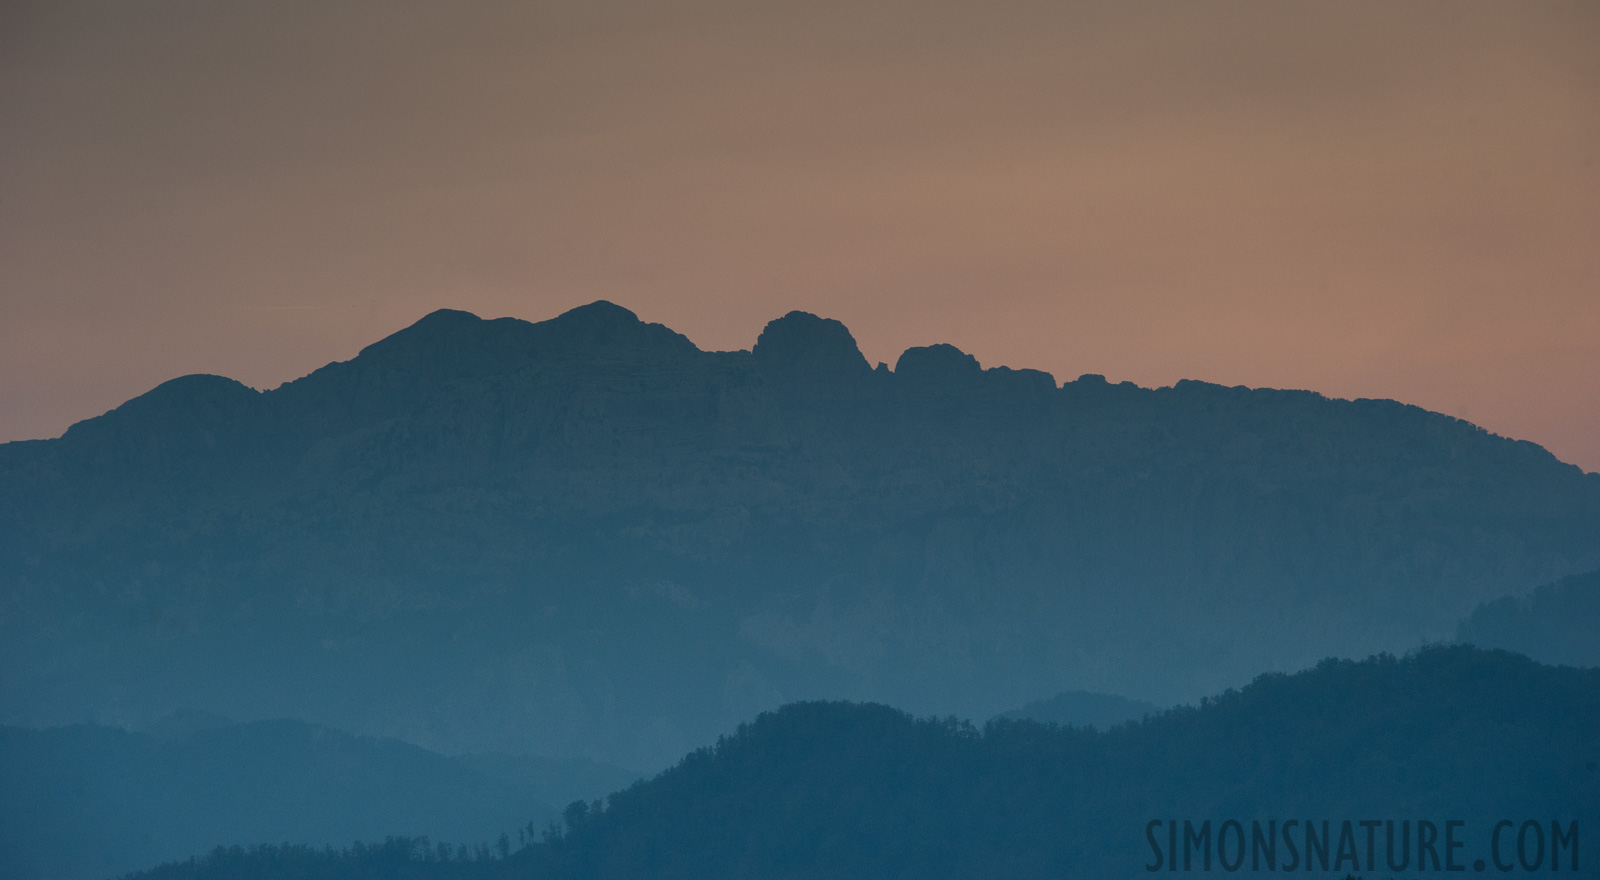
[(588, 536)]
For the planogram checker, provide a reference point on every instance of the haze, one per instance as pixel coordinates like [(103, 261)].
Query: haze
[(1365, 199)]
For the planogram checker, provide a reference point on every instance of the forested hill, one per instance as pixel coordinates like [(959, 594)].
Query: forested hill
[(1556, 623), (586, 535), (864, 791), (1082, 709)]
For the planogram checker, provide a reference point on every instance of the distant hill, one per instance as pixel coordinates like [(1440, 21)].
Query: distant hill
[(1082, 709), (588, 537), (864, 791), (89, 802), (1557, 623)]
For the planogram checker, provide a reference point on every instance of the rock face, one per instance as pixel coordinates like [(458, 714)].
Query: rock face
[(808, 348), (588, 536)]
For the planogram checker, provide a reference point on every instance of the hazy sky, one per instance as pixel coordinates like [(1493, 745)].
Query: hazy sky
[(1365, 199)]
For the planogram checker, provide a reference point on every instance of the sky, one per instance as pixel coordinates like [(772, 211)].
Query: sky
[(1375, 199)]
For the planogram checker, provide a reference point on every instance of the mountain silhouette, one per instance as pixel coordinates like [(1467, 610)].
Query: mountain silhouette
[(845, 790), (586, 536), (831, 789), (92, 801), (1556, 623)]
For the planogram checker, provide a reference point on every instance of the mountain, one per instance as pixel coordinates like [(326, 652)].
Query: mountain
[(1556, 623), (89, 801), (587, 537), (1447, 735), (1082, 709), (838, 790)]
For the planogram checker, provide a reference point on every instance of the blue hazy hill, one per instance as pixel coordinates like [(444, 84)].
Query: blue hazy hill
[(829, 789), (89, 801), (1556, 623)]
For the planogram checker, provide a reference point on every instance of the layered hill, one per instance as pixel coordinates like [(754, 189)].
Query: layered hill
[(91, 802), (1447, 735), (837, 790), (587, 536), (1556, 623)]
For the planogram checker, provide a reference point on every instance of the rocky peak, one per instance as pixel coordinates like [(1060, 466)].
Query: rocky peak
[(603, 329), (801, 344), (937, 365)]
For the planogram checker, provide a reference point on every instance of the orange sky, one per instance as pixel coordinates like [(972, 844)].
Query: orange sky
[(1366, 199)]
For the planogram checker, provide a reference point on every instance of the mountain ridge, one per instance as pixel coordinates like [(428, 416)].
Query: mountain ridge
[(564, 511), (602, 322)]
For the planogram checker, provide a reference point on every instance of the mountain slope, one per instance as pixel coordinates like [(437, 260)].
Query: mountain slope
[(1082, 709), (838, 790), (864, 791), (1556, 623), (586, 536), (88, 801)]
